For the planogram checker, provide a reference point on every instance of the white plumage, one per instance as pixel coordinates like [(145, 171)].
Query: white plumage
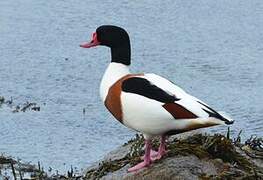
[(147, 115)]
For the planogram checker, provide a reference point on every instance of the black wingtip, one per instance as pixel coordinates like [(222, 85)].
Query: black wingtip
[(213, 113), (227, 122)]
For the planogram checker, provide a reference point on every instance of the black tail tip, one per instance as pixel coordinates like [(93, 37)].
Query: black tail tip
[(229, 122)]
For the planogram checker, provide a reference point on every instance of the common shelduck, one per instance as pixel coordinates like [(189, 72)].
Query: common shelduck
[(145, 102)]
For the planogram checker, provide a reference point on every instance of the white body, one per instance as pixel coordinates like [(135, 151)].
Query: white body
[(147, 115)]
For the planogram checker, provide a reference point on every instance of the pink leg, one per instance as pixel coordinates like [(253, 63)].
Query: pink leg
[(147, 159), (161, 149), (153, 154)]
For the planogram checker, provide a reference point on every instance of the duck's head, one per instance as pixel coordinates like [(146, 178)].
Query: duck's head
[(115, 38)]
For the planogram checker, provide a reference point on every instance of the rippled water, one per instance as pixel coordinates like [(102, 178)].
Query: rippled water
[(212, 49)]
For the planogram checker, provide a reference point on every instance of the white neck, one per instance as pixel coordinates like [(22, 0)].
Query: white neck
[(114, 72)]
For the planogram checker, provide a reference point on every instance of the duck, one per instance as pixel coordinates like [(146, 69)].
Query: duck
[(146, 102)]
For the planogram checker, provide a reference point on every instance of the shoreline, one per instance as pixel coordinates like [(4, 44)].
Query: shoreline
[(215, 156)]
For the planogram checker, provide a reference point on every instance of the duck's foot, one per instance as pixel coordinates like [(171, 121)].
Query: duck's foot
[(161, 150), (153, 154), (139, 166), (150, 155), (159, 155), (147, 159)]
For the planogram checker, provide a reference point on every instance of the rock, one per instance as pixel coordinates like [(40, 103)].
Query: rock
[(196, 156), (170, 168)]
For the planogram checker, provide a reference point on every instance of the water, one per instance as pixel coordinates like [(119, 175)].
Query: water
[(212, 49)]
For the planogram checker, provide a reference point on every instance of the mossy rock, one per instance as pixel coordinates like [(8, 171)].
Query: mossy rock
[(209, 148)]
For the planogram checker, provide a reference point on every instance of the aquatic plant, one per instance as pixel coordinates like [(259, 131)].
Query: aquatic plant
[(203, 146), (19, 107), (14, 168)]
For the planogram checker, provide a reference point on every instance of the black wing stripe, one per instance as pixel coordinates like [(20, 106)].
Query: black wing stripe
[(145, 88)]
